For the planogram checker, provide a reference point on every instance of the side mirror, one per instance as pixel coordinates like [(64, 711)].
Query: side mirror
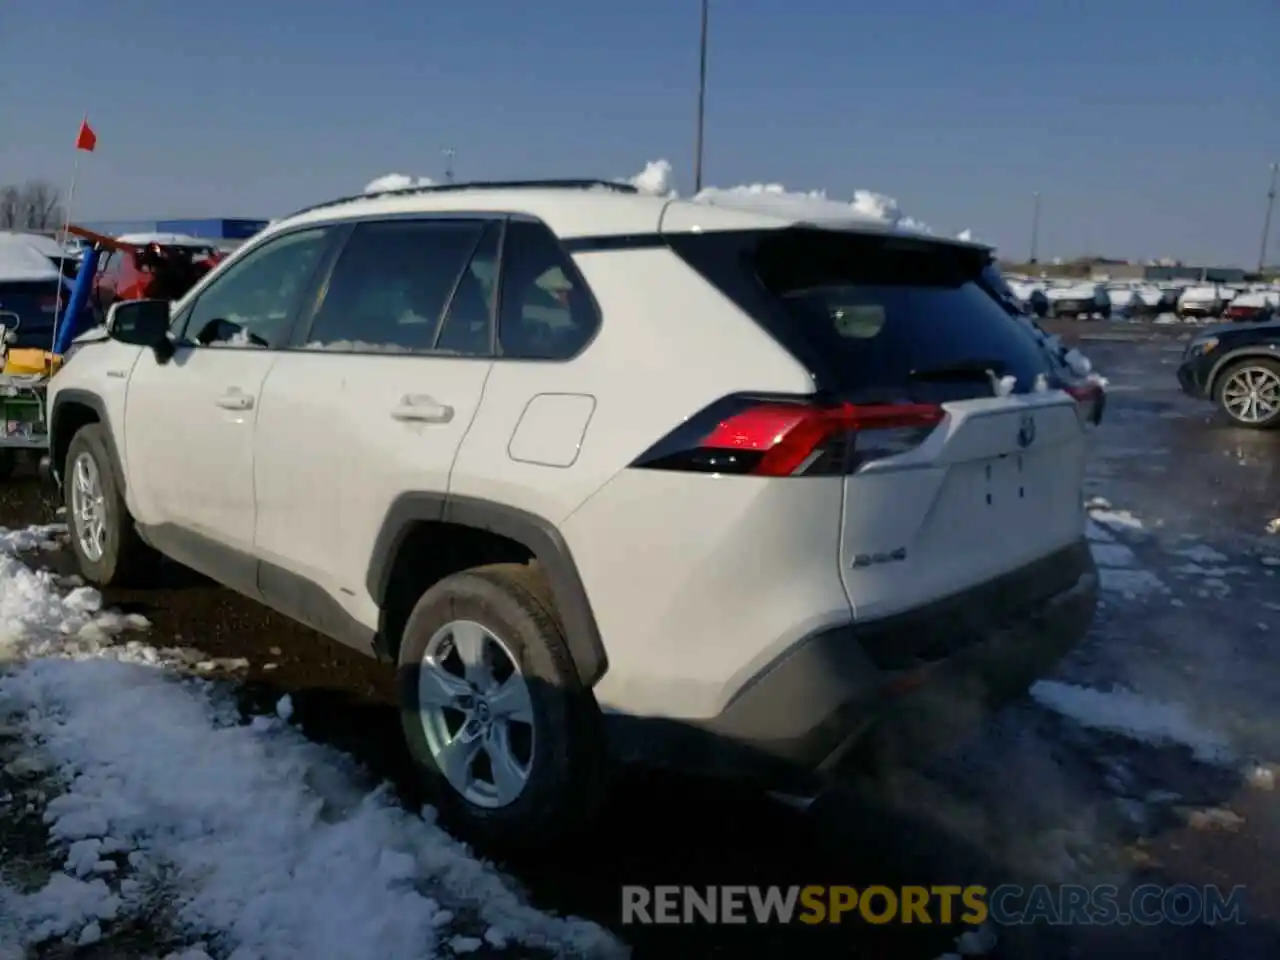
[(143, 323)]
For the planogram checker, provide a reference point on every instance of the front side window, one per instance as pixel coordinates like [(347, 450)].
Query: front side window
[(410, 286), (252, 304)]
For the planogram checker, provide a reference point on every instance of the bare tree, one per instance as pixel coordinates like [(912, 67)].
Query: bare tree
[(10, 207), (35, 205)]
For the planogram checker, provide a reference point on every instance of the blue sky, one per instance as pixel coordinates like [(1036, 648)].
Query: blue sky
[(1147, 125)]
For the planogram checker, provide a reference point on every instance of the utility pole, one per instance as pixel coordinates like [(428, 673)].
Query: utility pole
[(1035, 226), (1266, 220), (449, 153), (702, 100)]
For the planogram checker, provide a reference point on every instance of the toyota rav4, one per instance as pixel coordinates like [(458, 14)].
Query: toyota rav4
[(608, 476)]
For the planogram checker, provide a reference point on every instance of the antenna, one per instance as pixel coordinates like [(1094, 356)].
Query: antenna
[(449, 153)]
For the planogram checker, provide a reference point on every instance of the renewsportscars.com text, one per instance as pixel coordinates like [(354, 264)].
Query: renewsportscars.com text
[(1007, 905)]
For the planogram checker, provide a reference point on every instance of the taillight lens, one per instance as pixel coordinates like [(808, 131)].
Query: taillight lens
[(784, 437), (1089, 401)]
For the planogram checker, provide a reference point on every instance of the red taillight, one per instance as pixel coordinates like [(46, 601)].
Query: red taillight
[(1088, 397), (49, 304), (782, 438)]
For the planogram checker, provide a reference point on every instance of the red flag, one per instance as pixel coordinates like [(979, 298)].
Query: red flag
[(86, 139)]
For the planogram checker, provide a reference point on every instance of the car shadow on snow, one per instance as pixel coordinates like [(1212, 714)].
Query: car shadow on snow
[(915, 829)]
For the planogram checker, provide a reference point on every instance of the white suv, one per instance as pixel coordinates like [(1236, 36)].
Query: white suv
[(609, 476)]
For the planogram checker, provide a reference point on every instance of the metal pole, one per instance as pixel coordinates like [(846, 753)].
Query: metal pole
[(449, 154), (702, 100), (1035, 226), (1266, 221)]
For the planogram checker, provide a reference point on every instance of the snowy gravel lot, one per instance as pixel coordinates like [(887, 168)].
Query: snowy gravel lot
[(184, 774)]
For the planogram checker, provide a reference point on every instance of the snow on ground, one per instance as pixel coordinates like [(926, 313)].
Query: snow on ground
[(249, 840), (1119, 571), (1132, 715)]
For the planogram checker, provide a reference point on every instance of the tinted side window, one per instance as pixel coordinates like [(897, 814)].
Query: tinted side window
[(254, 301), (468, 322), (546, 311), (392, 283)]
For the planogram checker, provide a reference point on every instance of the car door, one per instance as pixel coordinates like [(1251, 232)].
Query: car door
[(375, 403), (190, 419)]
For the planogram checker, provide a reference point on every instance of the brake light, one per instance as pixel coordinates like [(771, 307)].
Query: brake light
[(1088, 397), (784, 437), (49, 304)]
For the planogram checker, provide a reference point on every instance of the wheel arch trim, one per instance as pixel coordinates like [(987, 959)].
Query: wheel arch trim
[(1262, 351), (537, 534), (75, 396)]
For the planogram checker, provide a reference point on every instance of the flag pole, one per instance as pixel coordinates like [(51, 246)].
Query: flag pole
[(66, 224)]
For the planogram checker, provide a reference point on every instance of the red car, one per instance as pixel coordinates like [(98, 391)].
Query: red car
[(149, 267)]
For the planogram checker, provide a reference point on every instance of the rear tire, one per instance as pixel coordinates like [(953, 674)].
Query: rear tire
[(103, 535), (552, 788), (1248, 392)]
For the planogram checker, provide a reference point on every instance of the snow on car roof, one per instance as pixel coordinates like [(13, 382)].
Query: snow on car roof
[(745, 206), (45, 245), (164, 239), (20, 260)]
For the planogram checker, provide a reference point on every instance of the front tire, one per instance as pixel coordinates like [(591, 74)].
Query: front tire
[(509, 741), (1249, 393), (103, 536)]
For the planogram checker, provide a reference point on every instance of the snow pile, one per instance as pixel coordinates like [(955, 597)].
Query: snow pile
[(396, 181), (249, 836), (866, 205), (657, 178)]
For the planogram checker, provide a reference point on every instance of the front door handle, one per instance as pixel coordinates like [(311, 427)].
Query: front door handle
[(422, 409), (235, 400)]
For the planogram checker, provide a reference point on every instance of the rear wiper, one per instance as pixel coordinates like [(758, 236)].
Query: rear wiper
[(961, 370)]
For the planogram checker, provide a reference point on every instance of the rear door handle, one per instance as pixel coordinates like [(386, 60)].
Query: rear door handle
[(235, 400), (422, 409)]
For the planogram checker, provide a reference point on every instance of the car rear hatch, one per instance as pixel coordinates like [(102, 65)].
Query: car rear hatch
[(961, 451), (34, 303), (982, 472)]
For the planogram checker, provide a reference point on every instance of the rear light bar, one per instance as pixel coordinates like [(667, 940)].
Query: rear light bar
[(787, 437)]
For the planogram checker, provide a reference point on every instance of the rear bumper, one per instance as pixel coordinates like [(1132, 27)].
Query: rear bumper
[(911, 683)]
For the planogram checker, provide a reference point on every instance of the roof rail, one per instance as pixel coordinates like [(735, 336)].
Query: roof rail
[(614, 185)]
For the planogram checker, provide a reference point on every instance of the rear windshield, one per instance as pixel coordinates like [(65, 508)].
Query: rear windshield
[(891, 317)]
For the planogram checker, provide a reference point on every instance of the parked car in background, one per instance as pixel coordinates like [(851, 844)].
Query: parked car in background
[(1238, 368), (1124, 299), (47, 247), (145, 266), (1201, 302), (1031, 294), (1251, 307), (1079, 300), (30, 287), (1070, 370)]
